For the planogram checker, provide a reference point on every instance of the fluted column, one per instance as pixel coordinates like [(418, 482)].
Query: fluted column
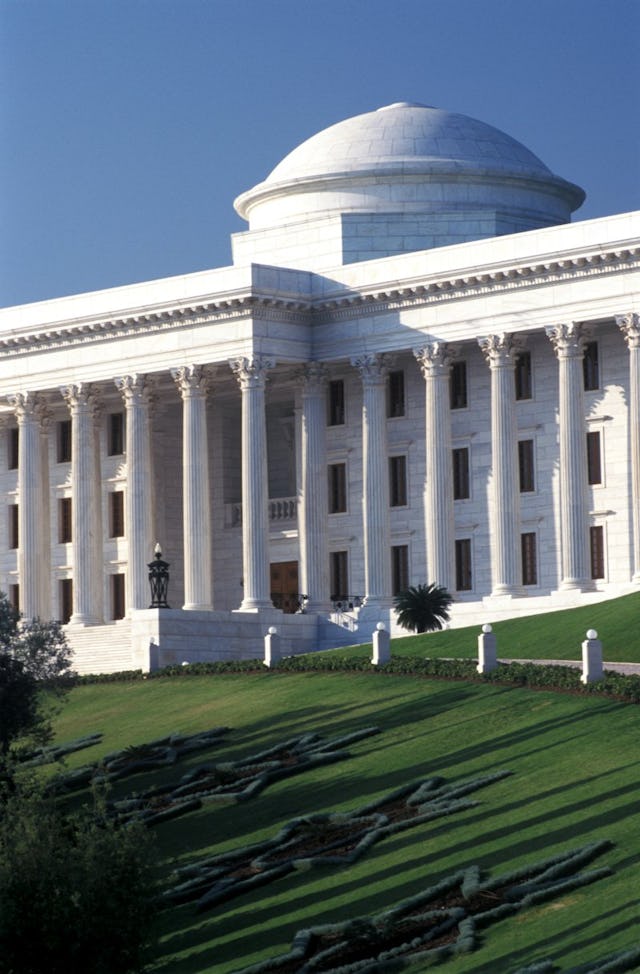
[(375, 473), (435, 365), (252, 376), (629, 324), (34, 551), (192, 383), (138, 496), (506, 564), (86, 525), (568, 343), (314, 548)]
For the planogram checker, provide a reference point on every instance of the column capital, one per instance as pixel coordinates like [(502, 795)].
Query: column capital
[(313, 377), (500, 350), (434, 359), (629, 325), (80, 396), (567, 339), (373, 367), (251, 373), (135, 389), (191, 380), (30, 407)]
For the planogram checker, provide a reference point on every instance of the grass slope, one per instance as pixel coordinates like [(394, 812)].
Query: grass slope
[(575, 763)]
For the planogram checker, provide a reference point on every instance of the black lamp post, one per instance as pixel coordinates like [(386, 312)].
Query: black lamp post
[(159, 581)]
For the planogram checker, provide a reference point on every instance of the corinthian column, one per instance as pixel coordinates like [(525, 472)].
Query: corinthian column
[(630, 326), (438, 496), (252, 376), (192, 383), (138, 497), (314, 550), (506, 564), (375, 472), (34, 552), (86, 529), (568, 343)]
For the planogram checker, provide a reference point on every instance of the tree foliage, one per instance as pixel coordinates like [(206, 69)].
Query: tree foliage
[(423, 608)]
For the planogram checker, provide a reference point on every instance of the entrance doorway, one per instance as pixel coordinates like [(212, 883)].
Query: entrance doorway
[(284, 586)]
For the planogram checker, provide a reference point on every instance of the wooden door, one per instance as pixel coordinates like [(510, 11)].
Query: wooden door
[(284, 585)]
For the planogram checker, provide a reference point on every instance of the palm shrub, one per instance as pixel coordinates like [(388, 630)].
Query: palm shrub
[(423, 608)]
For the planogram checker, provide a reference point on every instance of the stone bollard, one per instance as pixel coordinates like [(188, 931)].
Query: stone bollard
[(591, 658), (272, 647), (487, 658), (381, 645)]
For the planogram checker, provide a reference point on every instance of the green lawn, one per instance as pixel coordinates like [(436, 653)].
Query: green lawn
[(575, 762)]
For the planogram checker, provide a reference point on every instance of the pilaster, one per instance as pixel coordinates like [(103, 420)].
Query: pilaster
[(629, 324), (313, 512)]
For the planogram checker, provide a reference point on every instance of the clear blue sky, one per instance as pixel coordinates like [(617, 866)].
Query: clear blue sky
[(129, 126)]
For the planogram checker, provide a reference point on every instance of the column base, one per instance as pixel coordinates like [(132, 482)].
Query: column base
[(197, 607), (256, 605), (507, 591), (577, 585), (85, 620)]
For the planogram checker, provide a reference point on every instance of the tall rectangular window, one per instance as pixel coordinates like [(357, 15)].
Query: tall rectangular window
[(117, 596), (591, 367), (596, 540), (458, 385), (13, 443), (339, 575), (398, 481), (594, 458), (460, 458), (115, 434), (64, 520), (529, 553), (14, 596), (14, 530), (526, 466), (399, 568), (395, 395), (66, 599), (523, 375), (463, 565), (64, 441), (335, 403), (116, 514), (337, 488)]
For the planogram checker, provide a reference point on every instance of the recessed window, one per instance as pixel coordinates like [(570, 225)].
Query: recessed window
[(463, 565), (14, 530), (116, 514), (398, 481), (64, 520), (460, 458), (591, 367), (399, 568), (335, 403), (117, 596), (528, 547), (337, 488), (594, 458), (523, 375), (64, 441), (395, 395), (458, 386), (339, 566), (115, 434), (13, 443), (526, 466), (66, 599), (596, 540), (14, 596)]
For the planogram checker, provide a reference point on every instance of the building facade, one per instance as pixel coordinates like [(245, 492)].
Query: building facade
[(416, 369)]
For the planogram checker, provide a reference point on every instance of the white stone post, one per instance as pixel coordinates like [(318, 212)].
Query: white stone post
[(505, 513), (138, 497), (86, 524), (435, 365), (375, 473), (568, 343), (312, 523), (192, 383), (592, 669), (252, 376), (272, 649), (630, 326), (487, 650), (381, 645)]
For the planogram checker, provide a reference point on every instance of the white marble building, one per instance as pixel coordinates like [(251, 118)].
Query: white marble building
[(416, 369)]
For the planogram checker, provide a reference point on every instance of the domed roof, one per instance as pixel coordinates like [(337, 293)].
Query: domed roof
[(407, 137)]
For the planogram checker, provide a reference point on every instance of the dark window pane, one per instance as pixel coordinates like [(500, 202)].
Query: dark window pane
[(460, 460), (591, 367), (525, 463), (594, 460), (523, 375), (398, 481), (529, 559), (463, 565), (395, 395), (458, 385), (336, 403)]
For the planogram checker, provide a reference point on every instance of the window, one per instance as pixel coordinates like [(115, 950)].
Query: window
[(591, 367), (463, 565), (458, 386), (117, 596), (339, 575), (14, 596), (13, 448), (525, 466), (596, 539), (398, 481), (395, 395), (14, 530), (116, 514), (64, 441), (337, 488), (460, 473), (115, 434), (66, 599), (529, 558), (523, 375), (335, 403), (399, 568), (64, 520), (594, 461)]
